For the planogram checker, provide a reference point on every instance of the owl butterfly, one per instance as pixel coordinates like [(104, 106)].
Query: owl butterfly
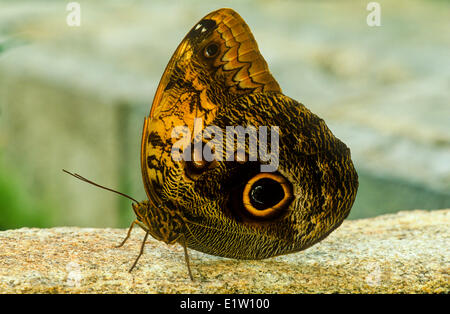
[(231, 208)]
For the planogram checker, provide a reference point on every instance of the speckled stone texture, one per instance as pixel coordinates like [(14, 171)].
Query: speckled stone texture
[(402, 253)]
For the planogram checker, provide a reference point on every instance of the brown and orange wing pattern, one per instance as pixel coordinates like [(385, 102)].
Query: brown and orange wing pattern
[(232, 208), (217, 62), (238, 64)]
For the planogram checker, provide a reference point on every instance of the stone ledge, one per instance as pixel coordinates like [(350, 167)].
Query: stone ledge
[(402, 253)]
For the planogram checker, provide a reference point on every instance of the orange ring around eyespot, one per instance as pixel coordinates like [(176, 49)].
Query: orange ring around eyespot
[(271, 211)]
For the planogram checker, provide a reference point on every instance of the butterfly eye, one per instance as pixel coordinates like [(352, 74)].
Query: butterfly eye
[(211, 50), (266, 195)]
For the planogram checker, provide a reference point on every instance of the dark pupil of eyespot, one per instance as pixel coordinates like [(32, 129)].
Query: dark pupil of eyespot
[(211, 50), (266, 193)]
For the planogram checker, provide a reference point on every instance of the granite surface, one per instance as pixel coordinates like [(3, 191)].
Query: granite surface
[(402, 253)]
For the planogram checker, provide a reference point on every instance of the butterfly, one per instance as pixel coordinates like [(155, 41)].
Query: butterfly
[(228, 206)]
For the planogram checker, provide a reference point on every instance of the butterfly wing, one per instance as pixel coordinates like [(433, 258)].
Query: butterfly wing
[(217, 62), (233, 209), (237, 65)]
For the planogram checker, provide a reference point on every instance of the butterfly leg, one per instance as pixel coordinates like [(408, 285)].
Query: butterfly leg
[(186, 256), (128, 234), (140, 252)]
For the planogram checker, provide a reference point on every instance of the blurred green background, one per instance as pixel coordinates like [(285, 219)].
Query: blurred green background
[(76, 97)]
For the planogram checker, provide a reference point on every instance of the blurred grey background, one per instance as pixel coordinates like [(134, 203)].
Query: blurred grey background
[(76, 97)]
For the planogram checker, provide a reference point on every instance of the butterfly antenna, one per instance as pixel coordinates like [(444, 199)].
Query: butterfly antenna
[(76, 175)]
